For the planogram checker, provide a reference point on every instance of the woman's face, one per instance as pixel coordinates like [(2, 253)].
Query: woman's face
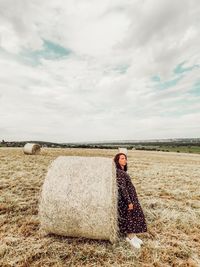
[(122, 161)]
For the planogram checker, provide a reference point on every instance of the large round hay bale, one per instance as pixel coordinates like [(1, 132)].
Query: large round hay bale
[(123, 150), (79, 198), (31, 149)]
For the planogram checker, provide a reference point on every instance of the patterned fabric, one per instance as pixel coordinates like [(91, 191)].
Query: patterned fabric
[(130, 221)]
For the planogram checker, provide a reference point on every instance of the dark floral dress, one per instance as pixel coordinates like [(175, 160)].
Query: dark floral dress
[(130, 221)]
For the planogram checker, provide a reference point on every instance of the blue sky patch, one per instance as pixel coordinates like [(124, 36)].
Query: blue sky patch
[(196, 89), (180, 68), (50, 51), (166, 84), (170, 83), (155, 78), (121, 68)]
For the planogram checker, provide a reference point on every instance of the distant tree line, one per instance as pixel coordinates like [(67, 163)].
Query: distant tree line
[(191, 146)]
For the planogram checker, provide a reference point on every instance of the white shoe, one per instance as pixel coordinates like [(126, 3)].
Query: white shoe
[(139, 240), (133, 241)]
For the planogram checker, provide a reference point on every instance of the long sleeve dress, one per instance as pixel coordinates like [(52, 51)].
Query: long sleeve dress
[(129, 221)]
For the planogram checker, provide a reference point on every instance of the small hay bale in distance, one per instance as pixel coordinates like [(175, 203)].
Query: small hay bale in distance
[(123, 150), (31, 149), (79, 198)]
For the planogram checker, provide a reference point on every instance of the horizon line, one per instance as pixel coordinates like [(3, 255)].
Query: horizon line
[(109, 141)]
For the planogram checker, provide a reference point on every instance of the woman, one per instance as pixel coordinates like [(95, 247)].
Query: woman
[(131, 217)]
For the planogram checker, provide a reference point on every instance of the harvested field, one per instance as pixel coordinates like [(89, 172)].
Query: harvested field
[(168, 186)]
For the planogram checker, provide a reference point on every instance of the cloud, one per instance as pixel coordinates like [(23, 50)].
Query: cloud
[(99, 70)]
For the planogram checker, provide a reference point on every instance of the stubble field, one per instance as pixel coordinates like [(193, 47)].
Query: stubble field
[(168, 186)]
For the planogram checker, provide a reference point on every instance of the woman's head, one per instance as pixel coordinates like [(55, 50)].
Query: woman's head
[(121, 161)]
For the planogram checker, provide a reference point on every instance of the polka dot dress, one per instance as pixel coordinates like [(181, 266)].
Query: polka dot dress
[(130, 221)]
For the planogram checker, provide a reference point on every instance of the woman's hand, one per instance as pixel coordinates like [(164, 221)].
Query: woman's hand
[(130, 206)]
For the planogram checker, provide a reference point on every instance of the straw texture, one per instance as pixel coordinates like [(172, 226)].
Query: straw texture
[(79, 198), (123, 150), (31, 149)]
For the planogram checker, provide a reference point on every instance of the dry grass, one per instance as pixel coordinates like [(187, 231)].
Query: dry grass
[(168, 187)]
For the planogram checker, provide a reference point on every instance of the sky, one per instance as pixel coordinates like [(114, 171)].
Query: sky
[(90, 70)]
